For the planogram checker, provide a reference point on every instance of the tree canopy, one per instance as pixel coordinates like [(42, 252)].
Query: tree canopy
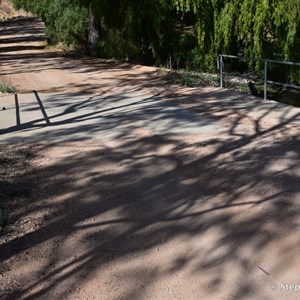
[(192, 32)]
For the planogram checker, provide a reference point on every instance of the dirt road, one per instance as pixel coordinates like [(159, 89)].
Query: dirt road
[(143, 190)]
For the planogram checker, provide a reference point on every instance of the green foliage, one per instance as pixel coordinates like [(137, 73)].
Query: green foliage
[(190, 32), (66, 21), (263, 28), (133, 29), (6, 87)]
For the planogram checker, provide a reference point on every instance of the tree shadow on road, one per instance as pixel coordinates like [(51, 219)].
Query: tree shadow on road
[(226, 208), (149, 213)]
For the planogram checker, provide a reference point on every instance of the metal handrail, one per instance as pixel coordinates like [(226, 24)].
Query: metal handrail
[(220, 66)]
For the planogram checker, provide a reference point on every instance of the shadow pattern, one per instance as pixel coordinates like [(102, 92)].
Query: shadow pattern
[(215, 204), (144, 214)]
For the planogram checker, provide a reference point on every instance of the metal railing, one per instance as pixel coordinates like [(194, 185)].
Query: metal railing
[(220, 65)]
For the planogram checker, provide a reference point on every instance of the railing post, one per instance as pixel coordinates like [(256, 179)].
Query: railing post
[(220, 65), (221, 71), (265, 80)]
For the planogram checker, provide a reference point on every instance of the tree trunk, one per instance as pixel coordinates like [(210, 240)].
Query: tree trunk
[(93, 33)]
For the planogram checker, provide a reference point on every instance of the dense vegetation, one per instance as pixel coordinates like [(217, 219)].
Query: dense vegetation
[(184, 33)]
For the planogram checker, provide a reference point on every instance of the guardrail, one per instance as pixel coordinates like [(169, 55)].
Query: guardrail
[(220, 65)]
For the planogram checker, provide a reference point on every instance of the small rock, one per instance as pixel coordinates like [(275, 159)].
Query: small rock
[(3, 108)]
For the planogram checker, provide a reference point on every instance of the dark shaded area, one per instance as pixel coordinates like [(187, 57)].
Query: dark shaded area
[(13, 182), (286, 95), (23, 32), (42, 107), (21, 48), (21, 39), (11, 26), (18, 119), (253, 88)]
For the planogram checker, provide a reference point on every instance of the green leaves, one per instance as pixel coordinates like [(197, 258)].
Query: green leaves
[(66, 20), (262, 28), (151, 30)]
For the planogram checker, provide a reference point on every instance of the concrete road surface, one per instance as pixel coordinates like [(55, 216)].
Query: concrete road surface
[(38, 116)]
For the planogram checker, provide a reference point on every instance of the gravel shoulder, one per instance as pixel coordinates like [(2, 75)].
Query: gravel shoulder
[(144, 190)]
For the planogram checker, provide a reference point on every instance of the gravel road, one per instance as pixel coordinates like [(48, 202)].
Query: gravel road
[(143, 190)]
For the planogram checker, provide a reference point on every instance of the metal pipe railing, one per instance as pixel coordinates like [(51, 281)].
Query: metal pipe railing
[(220, 66)]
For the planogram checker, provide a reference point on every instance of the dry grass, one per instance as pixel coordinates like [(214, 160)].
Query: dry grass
[(7, 11)]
